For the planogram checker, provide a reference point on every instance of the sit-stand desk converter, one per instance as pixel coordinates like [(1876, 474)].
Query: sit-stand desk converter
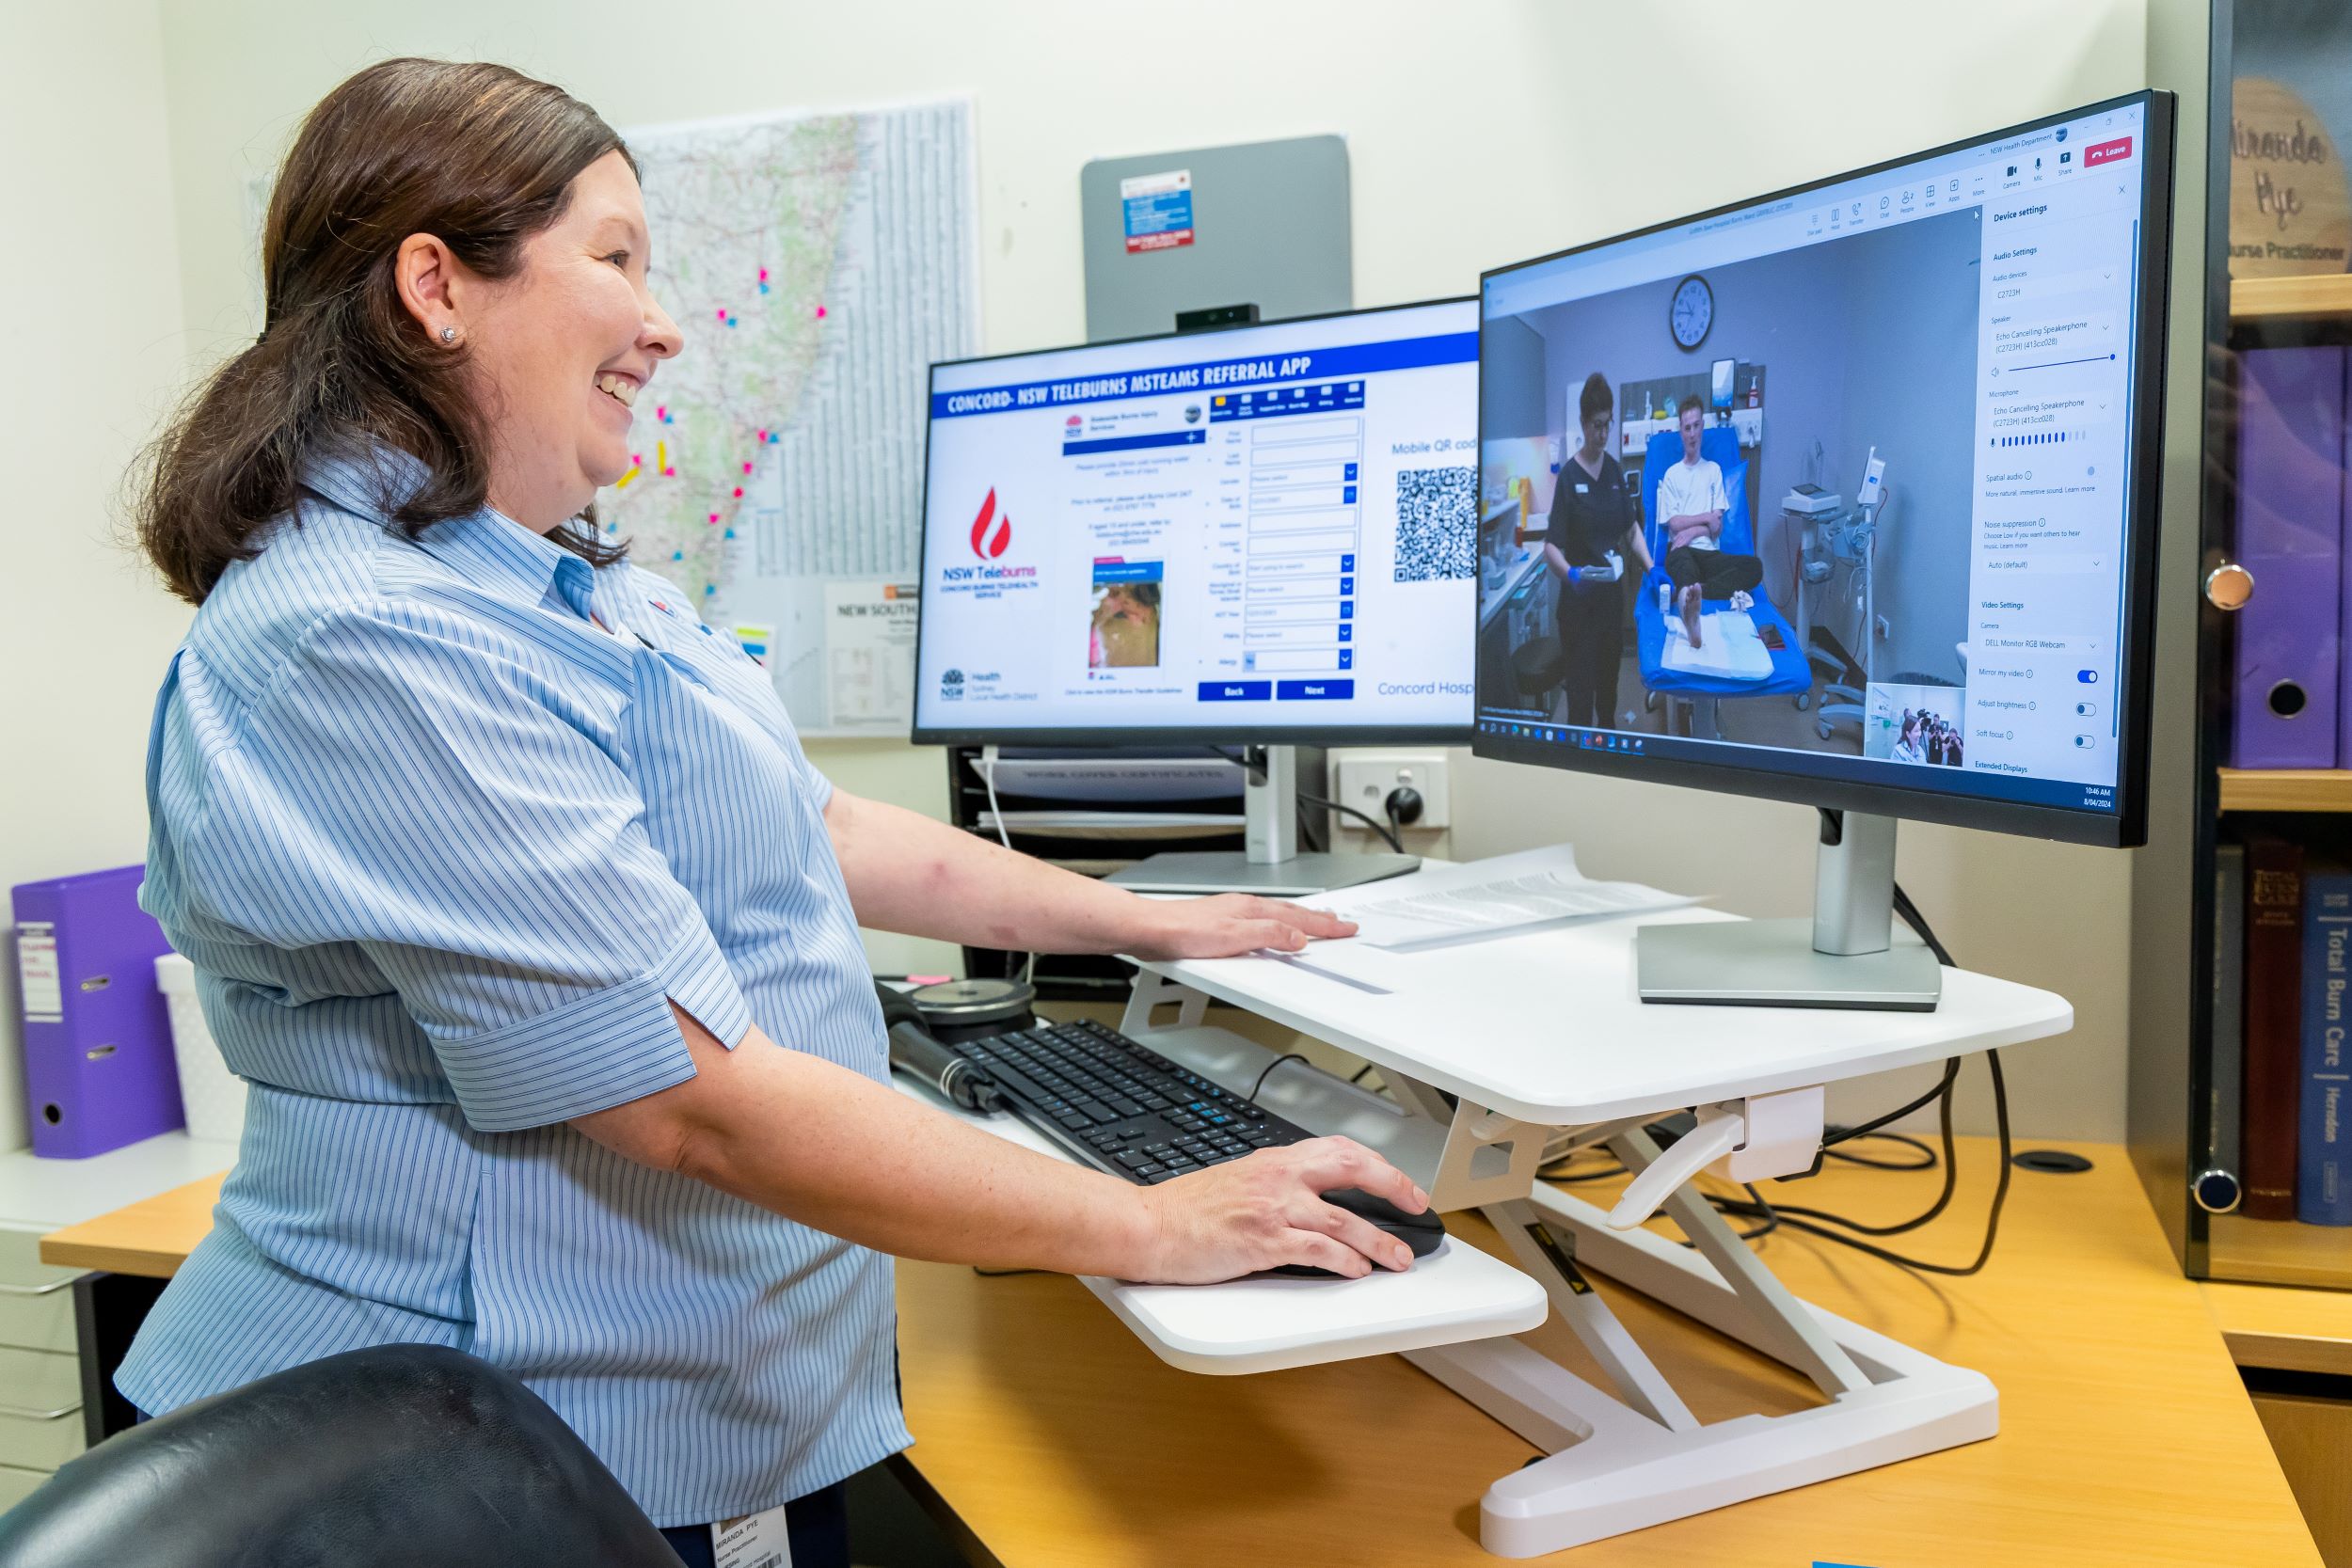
[(1535, 1033)]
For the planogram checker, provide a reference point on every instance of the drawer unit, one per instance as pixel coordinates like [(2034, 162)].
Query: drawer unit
[(35, 1299), (43, 1439), (17, 1484)]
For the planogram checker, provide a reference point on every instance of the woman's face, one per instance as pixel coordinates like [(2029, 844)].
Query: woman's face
[(1595, 429), (561, 349)]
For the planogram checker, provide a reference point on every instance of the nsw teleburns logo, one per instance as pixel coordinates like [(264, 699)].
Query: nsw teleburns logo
[(990, 576), (991, 532)]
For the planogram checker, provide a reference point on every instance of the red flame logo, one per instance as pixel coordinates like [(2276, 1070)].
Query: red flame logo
[(991, 534)]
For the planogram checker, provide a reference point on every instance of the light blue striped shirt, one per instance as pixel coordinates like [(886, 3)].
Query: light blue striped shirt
[(442, 850)]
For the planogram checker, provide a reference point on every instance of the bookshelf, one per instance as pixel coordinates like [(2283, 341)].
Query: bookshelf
[(2193, 1129), (2316, 298), (2327, 789)]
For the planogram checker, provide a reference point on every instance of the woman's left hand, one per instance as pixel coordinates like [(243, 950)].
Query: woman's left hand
[(1231, 924)]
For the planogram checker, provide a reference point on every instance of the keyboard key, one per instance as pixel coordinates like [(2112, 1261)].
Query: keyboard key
[(1159, 1176), (1095, 1110), (1149, 1167), (1130, 1158)]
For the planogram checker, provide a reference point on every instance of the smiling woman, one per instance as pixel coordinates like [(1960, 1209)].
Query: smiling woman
[(416, 193), (516, 902)]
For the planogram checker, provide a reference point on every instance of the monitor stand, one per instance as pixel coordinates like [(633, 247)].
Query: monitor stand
[(1270, 863), (1848, 955)]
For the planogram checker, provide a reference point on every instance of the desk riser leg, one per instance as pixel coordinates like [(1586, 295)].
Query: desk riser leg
[(1675, 1277), (1638, 1381), (1612, 1469), (1781, 1325), (1647, 1477)]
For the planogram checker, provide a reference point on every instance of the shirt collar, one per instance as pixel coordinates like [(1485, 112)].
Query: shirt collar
[(486, 548)]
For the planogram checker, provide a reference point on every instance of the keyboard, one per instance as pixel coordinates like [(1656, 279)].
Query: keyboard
[(1119, 1106)]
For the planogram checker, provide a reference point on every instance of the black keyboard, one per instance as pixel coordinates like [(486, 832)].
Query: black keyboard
[(1119, 1106)]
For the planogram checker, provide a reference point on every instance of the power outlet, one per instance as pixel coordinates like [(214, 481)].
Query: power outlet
[(1364, 779)]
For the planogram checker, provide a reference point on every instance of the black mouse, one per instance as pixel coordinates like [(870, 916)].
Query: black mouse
[(1421, 1232)]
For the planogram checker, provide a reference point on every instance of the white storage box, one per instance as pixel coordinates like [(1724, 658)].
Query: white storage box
[(213, 1096)]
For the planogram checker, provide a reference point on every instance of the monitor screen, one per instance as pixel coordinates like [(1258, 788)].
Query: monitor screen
[(1844, 496), (1262, 533)]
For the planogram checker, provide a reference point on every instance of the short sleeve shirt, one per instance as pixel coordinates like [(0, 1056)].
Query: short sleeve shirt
[(1687, 490), (446, 825)]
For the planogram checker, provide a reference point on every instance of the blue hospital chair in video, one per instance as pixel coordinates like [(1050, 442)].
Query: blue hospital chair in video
[(1783, 671)]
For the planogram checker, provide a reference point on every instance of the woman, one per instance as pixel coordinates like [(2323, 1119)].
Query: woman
[(513, 895), (1907, 742), (1592, 518)]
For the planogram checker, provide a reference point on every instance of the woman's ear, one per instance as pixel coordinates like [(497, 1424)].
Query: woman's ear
[(426, 271)]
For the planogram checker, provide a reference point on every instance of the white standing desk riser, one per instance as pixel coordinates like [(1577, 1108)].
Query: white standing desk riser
[(1540, 1033)]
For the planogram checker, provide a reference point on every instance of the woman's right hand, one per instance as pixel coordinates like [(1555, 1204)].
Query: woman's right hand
[(1266, 1211)]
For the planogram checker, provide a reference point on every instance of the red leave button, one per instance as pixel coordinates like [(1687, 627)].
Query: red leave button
[(2106, 152)]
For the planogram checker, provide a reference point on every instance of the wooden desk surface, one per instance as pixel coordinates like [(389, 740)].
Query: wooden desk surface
[(1058, 1439)]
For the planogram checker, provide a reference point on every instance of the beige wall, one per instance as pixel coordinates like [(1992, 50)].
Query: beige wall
[(89, 269), (1478, 133)]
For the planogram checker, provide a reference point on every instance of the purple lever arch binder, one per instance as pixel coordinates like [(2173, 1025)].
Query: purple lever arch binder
[(98, 1064), (2289, 528)]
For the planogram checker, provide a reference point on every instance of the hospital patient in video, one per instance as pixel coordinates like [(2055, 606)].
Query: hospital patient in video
[(1692, 502)]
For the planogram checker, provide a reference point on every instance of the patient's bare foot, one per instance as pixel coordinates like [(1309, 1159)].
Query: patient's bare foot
[(1690, 614)]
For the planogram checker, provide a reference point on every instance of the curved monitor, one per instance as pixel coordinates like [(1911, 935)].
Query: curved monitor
[(1258, 534), (1908, 569)]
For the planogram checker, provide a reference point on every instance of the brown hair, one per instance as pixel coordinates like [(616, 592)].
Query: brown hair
[(479, 156), (1596, 398), (1692, 401)]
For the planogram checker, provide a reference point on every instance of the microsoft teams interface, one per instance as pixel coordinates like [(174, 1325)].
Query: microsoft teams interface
[(1895, 552), (1269, 529)]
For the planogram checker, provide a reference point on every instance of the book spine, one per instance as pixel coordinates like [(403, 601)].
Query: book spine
[(2274, 1045), (2323, 1178), (2226, 1061)]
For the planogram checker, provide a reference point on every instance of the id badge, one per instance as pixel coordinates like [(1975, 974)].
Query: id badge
[(755, 1541)]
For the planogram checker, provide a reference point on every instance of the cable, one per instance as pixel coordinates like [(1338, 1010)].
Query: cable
[(986, 762), (1805, 1219), (1287, 1056), (1361, 1072), (1258, 774), (1847, 1232), (1992, 1222), (1925, 1161), (1373, 822), (1952, 1070)]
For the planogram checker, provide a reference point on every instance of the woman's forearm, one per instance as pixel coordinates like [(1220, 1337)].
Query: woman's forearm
[(908, 873), (817, 1143)]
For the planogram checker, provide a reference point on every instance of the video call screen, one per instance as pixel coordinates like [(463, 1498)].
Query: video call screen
[(1834, 484)]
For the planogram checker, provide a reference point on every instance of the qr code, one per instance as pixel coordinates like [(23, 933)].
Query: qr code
[(1437, 524)]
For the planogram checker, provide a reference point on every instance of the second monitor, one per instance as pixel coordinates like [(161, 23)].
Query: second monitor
[(1262, 537)]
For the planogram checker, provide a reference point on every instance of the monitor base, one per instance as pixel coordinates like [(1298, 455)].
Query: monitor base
[(1773, 964), (1230, 871)]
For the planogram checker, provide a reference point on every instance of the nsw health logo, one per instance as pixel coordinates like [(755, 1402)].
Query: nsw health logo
[(990, 532)]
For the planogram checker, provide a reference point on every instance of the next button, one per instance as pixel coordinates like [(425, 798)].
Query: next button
[(1236, 691), (1291, 692)]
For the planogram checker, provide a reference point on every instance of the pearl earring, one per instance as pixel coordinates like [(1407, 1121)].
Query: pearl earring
[(449, 334)]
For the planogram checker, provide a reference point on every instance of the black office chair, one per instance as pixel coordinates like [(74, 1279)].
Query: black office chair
[(402, 1456)]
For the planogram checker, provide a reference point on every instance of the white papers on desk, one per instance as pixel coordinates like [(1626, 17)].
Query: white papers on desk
[(1508, 893)]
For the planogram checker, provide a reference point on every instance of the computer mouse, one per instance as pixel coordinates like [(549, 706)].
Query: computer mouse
[(1421, 1232)]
